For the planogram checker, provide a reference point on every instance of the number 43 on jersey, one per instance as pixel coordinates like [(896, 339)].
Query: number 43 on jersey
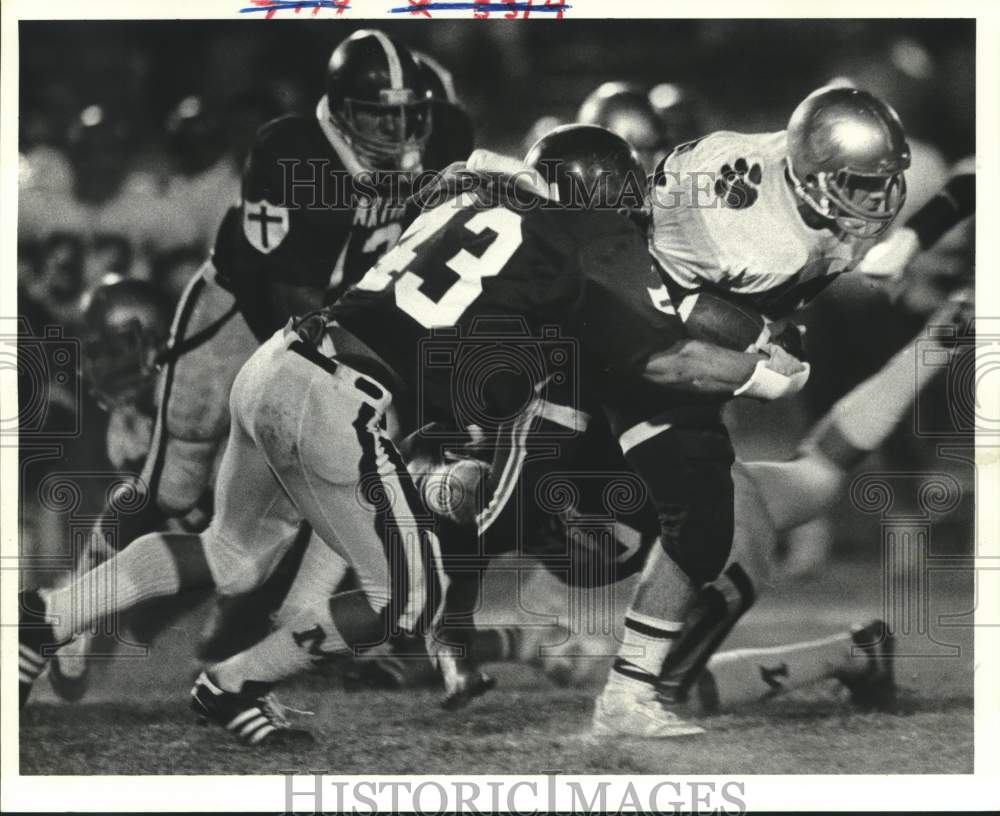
[(468, 269)]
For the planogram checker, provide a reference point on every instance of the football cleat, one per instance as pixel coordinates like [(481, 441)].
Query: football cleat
[(463, 682), (873, 688), (632, 708), (69, 672), (35, 639), (253, 716)]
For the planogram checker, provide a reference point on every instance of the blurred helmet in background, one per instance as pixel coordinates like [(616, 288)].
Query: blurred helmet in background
[(379, 100), (97, 148), (126, 327), (625, 109), (194, 136), (679, 113), (590, 167), (846, 156)]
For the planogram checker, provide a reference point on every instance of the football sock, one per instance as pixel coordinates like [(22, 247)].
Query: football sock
[(644, 646), (754, 675), (153, 566), (334, 627), (318, 577)]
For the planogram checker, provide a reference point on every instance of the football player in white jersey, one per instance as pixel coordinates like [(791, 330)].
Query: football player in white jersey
[(767, 220)]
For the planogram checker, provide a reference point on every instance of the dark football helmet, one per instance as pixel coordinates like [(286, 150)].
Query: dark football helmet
[(126, 327), (379, 100), (438, 79), (679, 112), (194, 136), (847, 153), (625, 109), (590, 167), (96, 146)]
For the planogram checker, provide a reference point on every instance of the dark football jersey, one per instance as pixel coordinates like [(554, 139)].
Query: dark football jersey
[(496, 293), (302, 220)]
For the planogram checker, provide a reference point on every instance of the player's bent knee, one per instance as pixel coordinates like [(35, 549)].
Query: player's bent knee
[(186, 474)]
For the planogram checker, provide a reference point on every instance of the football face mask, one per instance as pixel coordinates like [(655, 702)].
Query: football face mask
[(392, 134), (864, 206)]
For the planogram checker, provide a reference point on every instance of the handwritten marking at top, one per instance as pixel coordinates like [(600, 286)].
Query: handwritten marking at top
[(482, 8), (270, 7)]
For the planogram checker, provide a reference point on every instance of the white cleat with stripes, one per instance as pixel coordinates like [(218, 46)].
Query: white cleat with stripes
[(36, 642), (633, 709), (253, 716)]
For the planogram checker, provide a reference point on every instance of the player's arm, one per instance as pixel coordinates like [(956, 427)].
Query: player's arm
[(697, 366), (626, 327), (295, 286), (954, 203)]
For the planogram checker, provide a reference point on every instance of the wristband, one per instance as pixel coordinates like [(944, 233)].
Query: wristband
[(767, 384)]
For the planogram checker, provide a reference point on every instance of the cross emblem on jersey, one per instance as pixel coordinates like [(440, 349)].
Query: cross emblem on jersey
[(265, 225)]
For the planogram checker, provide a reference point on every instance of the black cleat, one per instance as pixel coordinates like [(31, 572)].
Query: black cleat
[(69, 671), (474, 685), (253, 716), (36, 640), (874, 687)]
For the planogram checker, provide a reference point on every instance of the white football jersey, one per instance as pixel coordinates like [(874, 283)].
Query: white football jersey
[(725, 214)]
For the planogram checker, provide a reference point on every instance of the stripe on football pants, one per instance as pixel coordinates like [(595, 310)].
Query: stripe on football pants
[(399, 589), (431, 563), (517, 452), (640, 433)]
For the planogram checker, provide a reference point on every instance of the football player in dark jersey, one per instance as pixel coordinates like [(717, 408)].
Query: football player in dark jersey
[(322, 198), (562, 284)]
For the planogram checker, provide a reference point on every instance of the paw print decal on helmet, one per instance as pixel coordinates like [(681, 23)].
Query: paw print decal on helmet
[(737, 184)]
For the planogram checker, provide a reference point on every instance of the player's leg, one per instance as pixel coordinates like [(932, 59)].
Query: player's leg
[(773, 497), (860, 422), (156, 565), (209, 342), (254, 525), (860, 659), (694, 501), (325, 431)]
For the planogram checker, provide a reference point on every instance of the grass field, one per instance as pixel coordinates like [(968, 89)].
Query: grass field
[(136, 721)]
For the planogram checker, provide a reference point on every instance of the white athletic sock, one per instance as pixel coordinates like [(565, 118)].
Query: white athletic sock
[(319, 575), (145, 569), (645, 645), (308, 639), (754, 675)]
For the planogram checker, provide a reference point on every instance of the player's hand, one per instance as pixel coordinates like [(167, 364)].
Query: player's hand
[(782, 362), (889, 258), (777, 375)]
